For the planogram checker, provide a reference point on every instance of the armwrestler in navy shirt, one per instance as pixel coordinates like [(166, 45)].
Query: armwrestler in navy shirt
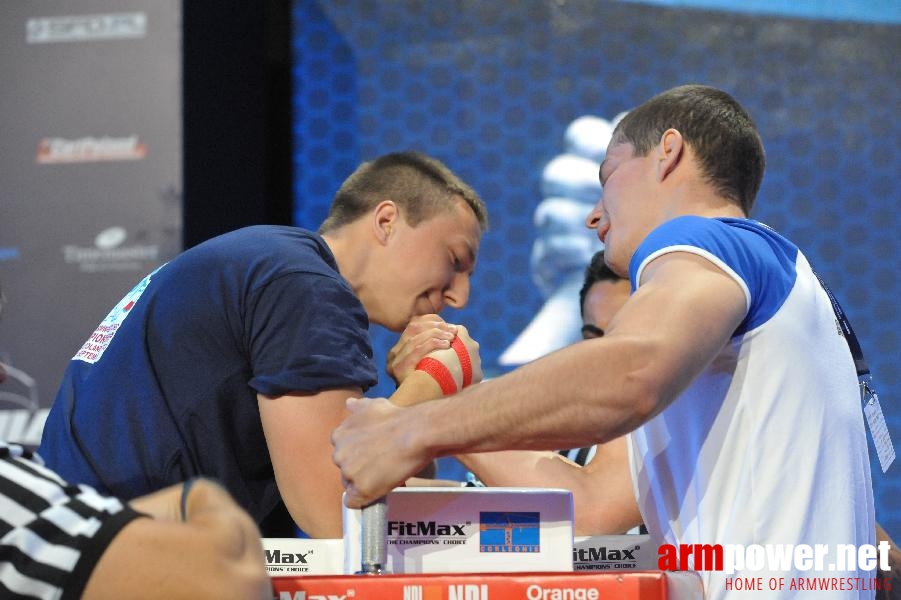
[(234, 359)]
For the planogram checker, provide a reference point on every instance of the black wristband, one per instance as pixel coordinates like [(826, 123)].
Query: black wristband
[(185, 490)]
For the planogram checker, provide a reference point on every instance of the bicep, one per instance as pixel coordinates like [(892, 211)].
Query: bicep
[(297, 427), (682, 315), (603, 500)]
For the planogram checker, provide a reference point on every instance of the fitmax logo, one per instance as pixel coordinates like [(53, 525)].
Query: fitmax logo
[(602, 554), (424, 528), (277, 557), (304, 596)]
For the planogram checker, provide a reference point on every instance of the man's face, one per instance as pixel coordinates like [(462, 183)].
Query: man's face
[(603, 300), (428, 267), (624, 214)]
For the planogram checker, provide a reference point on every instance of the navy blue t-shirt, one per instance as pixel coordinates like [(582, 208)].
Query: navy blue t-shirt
[(166, 387)]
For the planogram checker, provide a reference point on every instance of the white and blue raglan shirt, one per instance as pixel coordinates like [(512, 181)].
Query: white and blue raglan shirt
[(767, 445)]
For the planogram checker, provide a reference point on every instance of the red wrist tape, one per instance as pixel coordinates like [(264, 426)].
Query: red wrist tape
[(439, 373), (465, 362)]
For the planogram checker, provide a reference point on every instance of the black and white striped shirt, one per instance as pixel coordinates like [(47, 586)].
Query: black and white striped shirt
[(580, 456), (51, 533)]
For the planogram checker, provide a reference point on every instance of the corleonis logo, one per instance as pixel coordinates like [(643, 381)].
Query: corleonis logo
[(89, 149), (509, 532)]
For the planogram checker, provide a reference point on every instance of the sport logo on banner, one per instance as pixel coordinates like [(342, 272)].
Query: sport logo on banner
[(81, 28), (423, 592), (110, 254), (509, 532), (54, 150)]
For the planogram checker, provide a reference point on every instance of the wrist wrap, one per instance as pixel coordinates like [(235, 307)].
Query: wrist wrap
[(439, 373), (465, 362)]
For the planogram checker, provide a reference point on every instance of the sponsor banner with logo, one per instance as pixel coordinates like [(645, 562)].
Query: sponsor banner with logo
[(478, 530), (85, 27), (290, 557), (631, 552), (92, 180), (642, 585)]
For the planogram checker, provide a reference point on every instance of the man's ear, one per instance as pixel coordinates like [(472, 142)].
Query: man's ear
[(384, 220), (669, 152)]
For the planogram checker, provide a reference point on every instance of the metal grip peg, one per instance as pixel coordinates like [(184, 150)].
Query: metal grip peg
[(374, 526)]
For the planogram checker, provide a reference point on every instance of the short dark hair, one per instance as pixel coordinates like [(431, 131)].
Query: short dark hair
[(597, 270), (714, 125), (420, 185)]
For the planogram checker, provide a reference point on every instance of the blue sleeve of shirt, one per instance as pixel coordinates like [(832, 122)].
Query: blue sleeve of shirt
[(309, 332), (758, 258)]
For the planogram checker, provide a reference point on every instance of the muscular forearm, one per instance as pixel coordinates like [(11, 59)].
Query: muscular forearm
[(592, 391), (520, 468), (417, 387), (597, 390), (545, 405)]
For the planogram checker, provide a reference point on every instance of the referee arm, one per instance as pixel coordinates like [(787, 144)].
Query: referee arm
[(215, 552)]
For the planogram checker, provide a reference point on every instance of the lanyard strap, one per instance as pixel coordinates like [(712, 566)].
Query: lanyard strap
[(882, 439), (863, 369)]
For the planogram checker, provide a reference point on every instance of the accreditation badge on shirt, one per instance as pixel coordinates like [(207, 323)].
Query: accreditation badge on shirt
[(882, 439)]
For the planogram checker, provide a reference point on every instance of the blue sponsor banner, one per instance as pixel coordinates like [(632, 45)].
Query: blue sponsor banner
[(8, 253)]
